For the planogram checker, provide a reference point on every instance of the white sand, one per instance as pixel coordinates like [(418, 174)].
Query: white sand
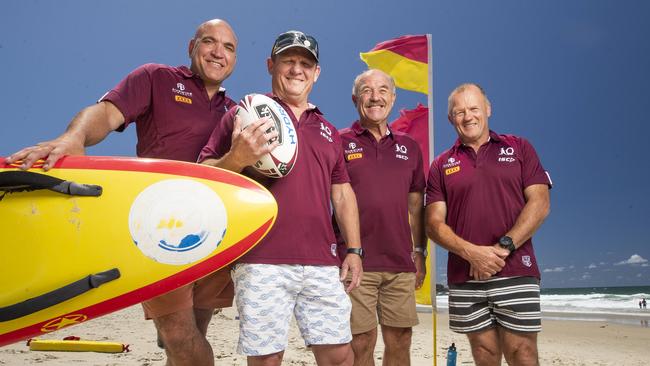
[(562, 342)]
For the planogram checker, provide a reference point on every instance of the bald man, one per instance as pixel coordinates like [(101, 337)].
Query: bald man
[(174, 109)]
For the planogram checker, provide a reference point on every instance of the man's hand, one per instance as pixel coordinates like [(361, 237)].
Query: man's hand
[(351, 264), (486, 261), (250, 143), (51, 151)]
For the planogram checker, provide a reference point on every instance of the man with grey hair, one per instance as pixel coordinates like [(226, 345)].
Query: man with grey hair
[(175, 109), (486, 197), (391, 222)]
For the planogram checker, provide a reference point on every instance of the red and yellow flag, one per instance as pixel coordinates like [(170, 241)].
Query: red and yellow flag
[(405, 59)]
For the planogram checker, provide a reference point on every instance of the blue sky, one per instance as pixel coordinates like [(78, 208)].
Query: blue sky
[(571, 76)]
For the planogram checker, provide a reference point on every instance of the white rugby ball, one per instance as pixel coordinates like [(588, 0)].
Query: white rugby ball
[(281, 160)]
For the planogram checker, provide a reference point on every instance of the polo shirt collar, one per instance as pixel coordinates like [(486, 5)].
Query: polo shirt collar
[(494, 137), (189, 74), (359, 129)]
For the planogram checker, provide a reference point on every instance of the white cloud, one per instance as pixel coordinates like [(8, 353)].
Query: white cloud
[(556, 269), (591, 266), (602, 263), (645, 265), (586, 276), (634, 259), (638, 275)]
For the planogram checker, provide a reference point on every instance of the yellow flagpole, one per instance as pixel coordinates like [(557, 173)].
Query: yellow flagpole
[(431, 245)]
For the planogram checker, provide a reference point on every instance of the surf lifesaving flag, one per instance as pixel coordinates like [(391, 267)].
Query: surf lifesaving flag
[(405, 59)]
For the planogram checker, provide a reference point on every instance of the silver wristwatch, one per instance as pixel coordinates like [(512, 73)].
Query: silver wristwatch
[(421, 250)]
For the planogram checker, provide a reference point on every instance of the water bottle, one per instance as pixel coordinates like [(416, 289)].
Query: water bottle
[(451, 355)]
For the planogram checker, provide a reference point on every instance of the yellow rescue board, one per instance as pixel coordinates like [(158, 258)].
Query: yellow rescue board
[(132, 229)]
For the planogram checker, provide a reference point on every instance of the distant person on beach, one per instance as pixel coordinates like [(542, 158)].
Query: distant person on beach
[(644, 303), (486, 196), (640, 304), (386, 174), (294, 270), (174, 109)]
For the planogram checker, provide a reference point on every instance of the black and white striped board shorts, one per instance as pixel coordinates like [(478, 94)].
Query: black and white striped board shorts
[(510, 302)]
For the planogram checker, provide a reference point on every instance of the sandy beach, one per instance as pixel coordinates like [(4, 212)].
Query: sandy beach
[(562, 342)]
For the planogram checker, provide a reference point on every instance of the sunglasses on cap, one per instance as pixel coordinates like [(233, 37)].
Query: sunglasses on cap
[(295, 39)]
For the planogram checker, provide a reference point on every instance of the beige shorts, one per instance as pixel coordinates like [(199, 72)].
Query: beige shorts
[(386, 297), (210, 292)]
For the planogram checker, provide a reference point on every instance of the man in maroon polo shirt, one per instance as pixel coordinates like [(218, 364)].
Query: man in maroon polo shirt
[(175, 109), (385, 169), (294, 271), (486, 196)]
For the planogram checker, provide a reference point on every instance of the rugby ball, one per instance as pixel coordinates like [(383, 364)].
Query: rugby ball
[(281, 160)]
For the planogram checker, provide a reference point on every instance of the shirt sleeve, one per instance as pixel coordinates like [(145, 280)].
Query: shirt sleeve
[(417, 179), (532, 170), (340, 172), (435, 190), (221, 137), (132, 96)]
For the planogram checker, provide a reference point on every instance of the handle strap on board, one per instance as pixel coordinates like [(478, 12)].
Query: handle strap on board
[(57, 296), (19, 180)]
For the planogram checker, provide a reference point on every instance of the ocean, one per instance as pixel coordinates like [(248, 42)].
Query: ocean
[(615, 304)]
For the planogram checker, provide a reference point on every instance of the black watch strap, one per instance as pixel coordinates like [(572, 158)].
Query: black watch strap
[(357, 251)]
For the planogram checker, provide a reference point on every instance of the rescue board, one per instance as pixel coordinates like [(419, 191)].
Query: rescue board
[(94, 235)]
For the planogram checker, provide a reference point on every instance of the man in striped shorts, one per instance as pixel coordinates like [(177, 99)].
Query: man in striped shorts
[(486, 196)]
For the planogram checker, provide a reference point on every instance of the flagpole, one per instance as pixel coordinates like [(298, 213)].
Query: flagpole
[(432, 246)]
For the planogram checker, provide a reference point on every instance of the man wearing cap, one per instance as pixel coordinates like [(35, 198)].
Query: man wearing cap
[(486, 196), (175, 109), (295, 268), (392, 222)]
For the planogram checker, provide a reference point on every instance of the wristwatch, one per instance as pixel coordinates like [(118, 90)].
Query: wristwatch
[(506, 243), (421, 250), (358, 251)]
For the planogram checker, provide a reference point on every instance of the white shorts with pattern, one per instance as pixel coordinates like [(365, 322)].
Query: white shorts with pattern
[(268, 294)]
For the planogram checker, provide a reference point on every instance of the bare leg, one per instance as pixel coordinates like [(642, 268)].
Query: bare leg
[(485, 347), (519, 348), (363, 345), (185, 343), (274, 359), (397, 346), (333, 354)]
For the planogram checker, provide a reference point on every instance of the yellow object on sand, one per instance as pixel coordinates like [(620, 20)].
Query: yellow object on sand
[(76, 345)]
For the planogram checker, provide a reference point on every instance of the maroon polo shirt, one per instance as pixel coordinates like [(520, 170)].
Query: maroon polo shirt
[(382, 174), (484, 193), (302, 233), (171, 109)]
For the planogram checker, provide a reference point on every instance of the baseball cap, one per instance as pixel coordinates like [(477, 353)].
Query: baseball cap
[(294, 38)]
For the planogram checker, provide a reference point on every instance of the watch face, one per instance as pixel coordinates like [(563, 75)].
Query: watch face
[(506, 242)]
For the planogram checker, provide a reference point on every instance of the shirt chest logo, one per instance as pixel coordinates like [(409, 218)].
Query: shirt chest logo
[(401, 151), (180, 95), (506, 155), (451, 166), (452, 170), (326, 132), (353, 151)]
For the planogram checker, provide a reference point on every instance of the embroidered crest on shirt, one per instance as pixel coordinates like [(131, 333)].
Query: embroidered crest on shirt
[(333, 249), (326, 132), (451, 166), (401, 151), (525, 259), (181, 95), (506, 155), (353, 152)]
